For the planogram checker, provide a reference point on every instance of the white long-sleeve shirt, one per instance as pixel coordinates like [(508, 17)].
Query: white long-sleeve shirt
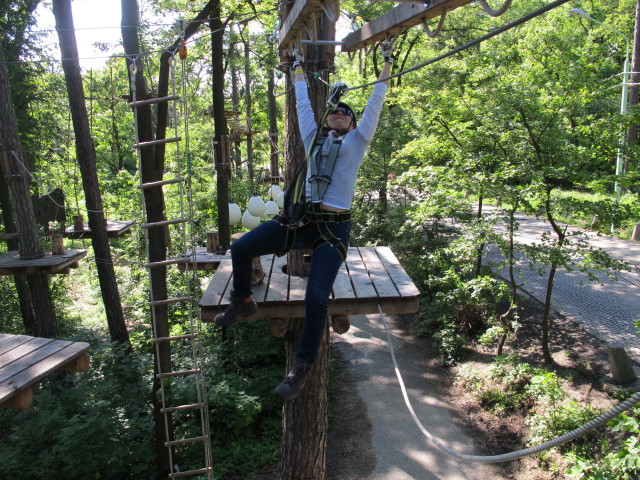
[(339, 193)]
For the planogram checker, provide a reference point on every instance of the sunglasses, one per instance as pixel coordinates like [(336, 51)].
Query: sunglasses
[(343, 111)]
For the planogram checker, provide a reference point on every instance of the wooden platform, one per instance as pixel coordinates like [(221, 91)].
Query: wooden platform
[(370, 276), (203, 260), (24, 360), (115, 229), (12, 264)]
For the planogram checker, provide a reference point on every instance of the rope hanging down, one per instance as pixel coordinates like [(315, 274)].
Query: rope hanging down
[(470, 44), (494, 13), (505, 457)]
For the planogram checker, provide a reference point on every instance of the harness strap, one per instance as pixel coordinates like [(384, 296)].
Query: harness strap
[(327, 236), (320, 181)]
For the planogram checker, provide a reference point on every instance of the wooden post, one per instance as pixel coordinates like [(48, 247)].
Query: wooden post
[(213, 241), (78, 223), (57, 244), (20, 401), (621, 366), (636, 233)]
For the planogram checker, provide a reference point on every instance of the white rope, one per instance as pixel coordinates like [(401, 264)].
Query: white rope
[(596, 422)]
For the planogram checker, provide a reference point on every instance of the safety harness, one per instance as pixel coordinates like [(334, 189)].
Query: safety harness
[(297, 210)]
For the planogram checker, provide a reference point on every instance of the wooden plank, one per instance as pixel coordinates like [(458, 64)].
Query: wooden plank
[(378, 273), (8, 342), (260, 291), (215, 292), (299, 14), (360, 277), (402, 281), (397, 20), (46, 359), (342, 287), (27, 354), (278, 282)]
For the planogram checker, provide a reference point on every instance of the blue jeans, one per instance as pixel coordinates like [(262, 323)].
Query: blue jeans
[(269, 237)]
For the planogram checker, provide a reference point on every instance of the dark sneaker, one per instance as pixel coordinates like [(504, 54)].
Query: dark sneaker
[(291, 386), (237, 310)]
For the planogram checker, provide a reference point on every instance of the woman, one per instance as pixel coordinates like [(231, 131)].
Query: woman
[(327, 224)]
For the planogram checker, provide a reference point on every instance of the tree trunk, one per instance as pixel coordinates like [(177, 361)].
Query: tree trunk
[(634, 88), (221, 136), (22, 287), (305, 422), (150, 171), (86, 154), (13, 159), (273, 128), (247, 89)]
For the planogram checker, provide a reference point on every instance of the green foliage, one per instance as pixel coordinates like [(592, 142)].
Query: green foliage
[(92, 425), (245, 414), (502, 387), (619, 461)]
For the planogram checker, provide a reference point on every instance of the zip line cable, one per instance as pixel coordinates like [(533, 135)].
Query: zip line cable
[(470, 44), (505, 457)]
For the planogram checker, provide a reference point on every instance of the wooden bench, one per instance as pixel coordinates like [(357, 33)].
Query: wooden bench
[(24, 360), (371, 276)]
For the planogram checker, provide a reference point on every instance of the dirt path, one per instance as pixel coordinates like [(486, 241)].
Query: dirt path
[(372, 435)]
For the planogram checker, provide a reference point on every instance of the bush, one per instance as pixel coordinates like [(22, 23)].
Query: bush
[(99, 427)]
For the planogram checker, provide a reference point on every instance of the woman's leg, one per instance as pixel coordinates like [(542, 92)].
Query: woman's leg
[(325, 264), (268, 237)]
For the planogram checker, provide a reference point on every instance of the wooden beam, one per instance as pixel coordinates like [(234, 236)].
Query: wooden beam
[(299, 15), (397, 20)]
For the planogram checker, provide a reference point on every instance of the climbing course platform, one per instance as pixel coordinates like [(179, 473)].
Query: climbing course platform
[(202, 260), (371, 276), (12, 264), (115, 229), (24, 360)]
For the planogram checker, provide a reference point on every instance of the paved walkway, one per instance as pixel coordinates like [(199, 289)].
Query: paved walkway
[(609, 309)]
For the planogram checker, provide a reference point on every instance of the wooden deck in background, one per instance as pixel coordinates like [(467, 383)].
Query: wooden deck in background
[(24, 360), (202, 260), (115, 229), (371, 276)]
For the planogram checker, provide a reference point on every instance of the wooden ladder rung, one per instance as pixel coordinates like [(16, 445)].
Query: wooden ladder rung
[(190, 473), (175, 337), (164, 223), (164, 263), (178, 374), (153, 101), (160, 183), (186, 440), (169, 301), (193, 406), (161, 141)]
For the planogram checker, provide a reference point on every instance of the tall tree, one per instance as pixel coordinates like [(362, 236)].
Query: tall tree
[(13, 159), (86, 154), (305, 420)]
